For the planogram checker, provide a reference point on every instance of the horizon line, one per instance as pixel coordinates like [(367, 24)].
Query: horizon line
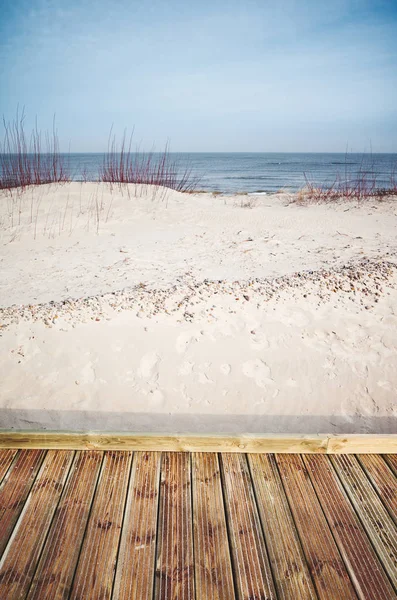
[(361, 153)]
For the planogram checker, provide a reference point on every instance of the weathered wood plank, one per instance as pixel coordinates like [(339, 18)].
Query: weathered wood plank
[(325, 563), (362, 444), (291, 574), (97, 562), (253, 577), (375, 518), (213, 570), (45, 511), (20, 557), (175, 565), (366, 572), (15, 489), (54, 574), (166, 443), (136, 559), (383, 480), (391, 460), (6, 458)]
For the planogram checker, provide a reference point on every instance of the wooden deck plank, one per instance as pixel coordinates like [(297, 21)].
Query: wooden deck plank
[(291, 574), (15, 489), (253, 576), (375, 518), (182, 526), (366, 572), (213, 570), (383, 480), (293, 443), (54, 574), (6, 458), (20, 557), (136, 561), (362, 444), (175, 563), (391, 460), (97, 562), (325, 563)]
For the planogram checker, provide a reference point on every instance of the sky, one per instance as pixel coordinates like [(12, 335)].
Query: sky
[(207, 75)]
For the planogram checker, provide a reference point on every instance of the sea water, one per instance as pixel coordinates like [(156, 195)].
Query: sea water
[(260, 172)]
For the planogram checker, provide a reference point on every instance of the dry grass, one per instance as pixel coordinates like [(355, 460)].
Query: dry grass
[(37, 212), (248, 202), (25, 160), (122, 165), (357, 186)]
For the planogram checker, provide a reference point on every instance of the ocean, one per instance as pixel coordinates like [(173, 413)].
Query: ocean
[(260, 172)]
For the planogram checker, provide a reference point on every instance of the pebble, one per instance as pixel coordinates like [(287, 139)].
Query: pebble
[(370, 278)]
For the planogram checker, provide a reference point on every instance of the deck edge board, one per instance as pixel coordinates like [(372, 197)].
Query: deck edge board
[(244, 443)]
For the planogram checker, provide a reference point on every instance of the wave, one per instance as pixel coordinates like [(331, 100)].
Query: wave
[(250, 177)]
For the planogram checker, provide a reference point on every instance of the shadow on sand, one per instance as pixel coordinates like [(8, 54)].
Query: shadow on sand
[(82, 421)]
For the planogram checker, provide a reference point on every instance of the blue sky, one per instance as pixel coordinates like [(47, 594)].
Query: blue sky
[(219, 75)]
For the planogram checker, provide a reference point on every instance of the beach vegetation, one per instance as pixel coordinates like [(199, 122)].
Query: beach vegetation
[(358, 185), (33, 159), (123, 165)]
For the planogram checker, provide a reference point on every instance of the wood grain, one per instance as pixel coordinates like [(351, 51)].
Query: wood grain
[(136, 560), (253, 575), (325, 563), (366, 572), (291, 574), (391, 460), (213, 570), (20, 558), (53, 578), (375, 518), (174, 526), (383, 480), (165, 443), (97, 561), (15, 489), (6, 458), (175, 564), (362, 444)]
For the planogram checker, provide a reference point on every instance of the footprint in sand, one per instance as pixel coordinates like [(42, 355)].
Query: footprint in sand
[(203, 378), (149, 367), (186, 368), (225, 369), (259, 340), (184, 340), (259, 371)]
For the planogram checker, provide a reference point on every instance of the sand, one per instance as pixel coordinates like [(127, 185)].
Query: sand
[(142, 309)]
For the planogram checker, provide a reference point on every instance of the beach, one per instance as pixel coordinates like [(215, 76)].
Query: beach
[(137, 308)]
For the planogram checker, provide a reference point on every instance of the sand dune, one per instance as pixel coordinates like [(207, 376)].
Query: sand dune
[(152, 310)]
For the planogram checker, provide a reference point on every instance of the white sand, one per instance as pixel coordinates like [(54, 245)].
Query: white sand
[(223, 317)]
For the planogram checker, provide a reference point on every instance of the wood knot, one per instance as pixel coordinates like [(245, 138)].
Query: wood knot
[(145, 539), (292, 569), (145, 493), (105, 525), (47, 483)]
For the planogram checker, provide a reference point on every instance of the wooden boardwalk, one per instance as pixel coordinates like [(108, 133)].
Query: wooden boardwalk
[(210, 526)]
